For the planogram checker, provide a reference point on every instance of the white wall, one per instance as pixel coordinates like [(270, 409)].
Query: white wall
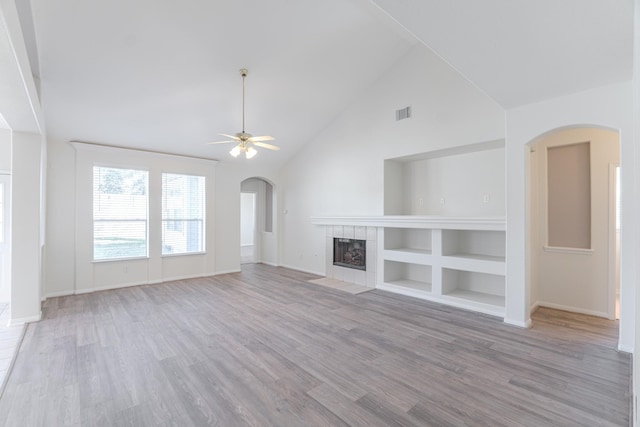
[(341, 172), (70, 267), (229, 176), (609, 106), (456, 185), (25, 230), (223, 218)]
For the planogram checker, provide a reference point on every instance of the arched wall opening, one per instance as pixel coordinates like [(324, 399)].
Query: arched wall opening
[(264, 245), (572, 236)]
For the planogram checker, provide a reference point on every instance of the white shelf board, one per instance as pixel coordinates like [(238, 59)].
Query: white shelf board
[(468, 300), (479, 298), (478, 257), (475, 263), (416, 221), (410, 256)]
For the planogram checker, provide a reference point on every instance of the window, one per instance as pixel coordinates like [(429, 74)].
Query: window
[(120, 214), (182, 214)]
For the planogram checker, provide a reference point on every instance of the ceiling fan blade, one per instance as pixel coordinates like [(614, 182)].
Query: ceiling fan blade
[(230, 136), (220, 142), (262, 138), (264, 145)]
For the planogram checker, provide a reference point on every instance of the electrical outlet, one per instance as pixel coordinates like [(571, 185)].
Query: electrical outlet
[(486, 198), (421, 201), (442, 200)]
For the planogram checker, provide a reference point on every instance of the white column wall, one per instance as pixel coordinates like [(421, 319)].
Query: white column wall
[(25, 217)]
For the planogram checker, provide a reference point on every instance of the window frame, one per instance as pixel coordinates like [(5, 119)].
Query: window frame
[(202, 220), (146, 220)]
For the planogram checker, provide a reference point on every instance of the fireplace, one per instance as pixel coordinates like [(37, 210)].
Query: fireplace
[(350, 253)]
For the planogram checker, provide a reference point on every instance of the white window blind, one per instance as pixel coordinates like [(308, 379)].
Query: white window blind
[(182, 214), (120, 213)]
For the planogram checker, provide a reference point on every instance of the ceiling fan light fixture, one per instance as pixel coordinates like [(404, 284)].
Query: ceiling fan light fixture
[(245, 140), (235, 152), (251, 152)]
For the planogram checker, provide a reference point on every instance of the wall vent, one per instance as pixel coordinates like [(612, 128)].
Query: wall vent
[(403, 113)]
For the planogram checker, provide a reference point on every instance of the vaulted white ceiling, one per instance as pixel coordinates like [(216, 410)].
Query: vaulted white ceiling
[(519, 52), (163, 75)]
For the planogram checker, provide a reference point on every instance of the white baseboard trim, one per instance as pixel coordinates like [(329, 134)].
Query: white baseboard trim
[(578, 310), (125, 285), (625, 348), (520, 324), (272, 264), (219, 273), (22, 320), (302, 270), (13, 360), (186, 277), (59, 294), (110, 287)]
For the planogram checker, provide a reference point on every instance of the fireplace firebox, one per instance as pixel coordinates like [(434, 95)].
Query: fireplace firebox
[(350, 253)]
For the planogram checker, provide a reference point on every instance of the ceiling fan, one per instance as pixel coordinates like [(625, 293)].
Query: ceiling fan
[(245, 140)]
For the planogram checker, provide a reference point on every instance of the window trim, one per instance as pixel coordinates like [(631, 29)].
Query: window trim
[(202, 220), (147, 219)]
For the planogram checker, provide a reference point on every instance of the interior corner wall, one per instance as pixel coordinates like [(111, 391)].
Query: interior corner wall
[(25, 227), (609, 107), (341, 171)]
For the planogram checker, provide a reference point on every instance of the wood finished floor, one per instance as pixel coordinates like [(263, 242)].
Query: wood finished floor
[(266, 348)]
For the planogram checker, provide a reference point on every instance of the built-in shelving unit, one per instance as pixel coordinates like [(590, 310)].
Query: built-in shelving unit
[(455, 261), (442, 235), (459, 261)]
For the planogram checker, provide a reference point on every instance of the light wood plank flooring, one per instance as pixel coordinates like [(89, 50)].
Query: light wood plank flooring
[(265, 348)]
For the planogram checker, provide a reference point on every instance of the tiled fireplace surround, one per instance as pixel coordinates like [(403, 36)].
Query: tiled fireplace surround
[(350, 275)]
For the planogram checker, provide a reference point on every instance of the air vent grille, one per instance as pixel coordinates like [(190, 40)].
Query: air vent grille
[(403, 113)]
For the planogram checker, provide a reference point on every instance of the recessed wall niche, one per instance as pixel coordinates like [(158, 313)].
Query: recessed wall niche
[(468, 180)]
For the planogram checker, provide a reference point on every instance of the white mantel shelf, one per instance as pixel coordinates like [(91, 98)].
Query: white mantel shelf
[(416, 221)]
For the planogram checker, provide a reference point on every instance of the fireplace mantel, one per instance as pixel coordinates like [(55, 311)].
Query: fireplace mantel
[(415, 221)]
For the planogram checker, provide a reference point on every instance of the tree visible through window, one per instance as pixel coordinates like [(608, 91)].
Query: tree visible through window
[(120, 214), (182, 213)]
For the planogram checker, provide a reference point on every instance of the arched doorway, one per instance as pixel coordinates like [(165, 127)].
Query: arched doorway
[(573, 255), (258, 234)]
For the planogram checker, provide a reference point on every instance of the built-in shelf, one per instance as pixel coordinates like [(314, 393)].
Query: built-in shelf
[(459, 265), (476, 301), (414, 256), (479, 263), (410, 284), (458, 261)]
